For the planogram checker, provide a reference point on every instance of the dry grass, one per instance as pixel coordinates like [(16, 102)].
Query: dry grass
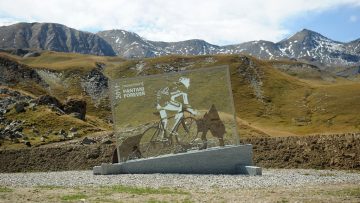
[(290, 105)]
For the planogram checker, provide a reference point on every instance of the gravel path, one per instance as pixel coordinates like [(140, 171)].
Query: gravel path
[(270, 178)]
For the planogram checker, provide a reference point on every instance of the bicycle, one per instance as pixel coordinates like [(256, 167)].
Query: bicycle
[(181, 139)]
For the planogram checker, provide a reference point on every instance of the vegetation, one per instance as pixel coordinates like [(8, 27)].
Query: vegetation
[(73, 197), (268, 102), (5, 189), (140, 190)]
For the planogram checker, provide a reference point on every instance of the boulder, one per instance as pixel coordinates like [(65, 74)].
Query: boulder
[(106, 141), (48, 100), (74, 105), (86, 140), (20, 107), (27, 143)]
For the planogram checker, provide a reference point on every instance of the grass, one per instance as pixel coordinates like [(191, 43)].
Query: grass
[(327, 175), (74, 197), (141, 190), (156, 201), (294, 104), (44, 119), (50, 187), (69, 61), (5, 189), (352, 192)]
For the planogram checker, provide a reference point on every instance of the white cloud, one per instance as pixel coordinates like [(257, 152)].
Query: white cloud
[(216, 21)]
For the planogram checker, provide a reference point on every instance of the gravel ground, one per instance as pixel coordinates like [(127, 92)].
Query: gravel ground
[(270, 178)]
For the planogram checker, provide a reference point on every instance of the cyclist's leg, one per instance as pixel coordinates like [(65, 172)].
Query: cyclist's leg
[(164, 121), (169, 107), (177, 118)]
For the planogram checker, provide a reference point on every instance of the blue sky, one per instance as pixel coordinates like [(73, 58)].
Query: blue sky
[(216, 21), (340, 23)]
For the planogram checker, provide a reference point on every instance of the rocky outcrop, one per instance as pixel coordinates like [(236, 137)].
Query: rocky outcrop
[(77, 106), (11, 73), (48, 100), (253, 75), (95, 83)]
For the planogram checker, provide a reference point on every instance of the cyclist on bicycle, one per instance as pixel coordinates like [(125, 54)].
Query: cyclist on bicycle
[(168, 100)]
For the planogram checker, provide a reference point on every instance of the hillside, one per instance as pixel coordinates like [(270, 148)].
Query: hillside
[(270, 98)]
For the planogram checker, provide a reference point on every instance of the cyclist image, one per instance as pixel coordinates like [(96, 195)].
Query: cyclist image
[(174, 99)]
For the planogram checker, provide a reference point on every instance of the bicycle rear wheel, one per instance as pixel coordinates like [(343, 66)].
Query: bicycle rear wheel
[(151, 144)]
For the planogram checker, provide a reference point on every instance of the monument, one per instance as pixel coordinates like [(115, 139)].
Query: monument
[(182, 122)]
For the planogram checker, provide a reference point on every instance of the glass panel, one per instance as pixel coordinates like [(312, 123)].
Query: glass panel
[(173, 113)]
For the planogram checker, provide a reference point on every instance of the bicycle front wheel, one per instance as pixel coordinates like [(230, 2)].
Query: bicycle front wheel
[(187, 133)]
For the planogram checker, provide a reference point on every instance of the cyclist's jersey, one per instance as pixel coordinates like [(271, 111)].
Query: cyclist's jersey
[(166, 94)]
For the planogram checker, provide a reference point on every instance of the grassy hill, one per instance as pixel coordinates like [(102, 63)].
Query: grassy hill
[(269, 101)]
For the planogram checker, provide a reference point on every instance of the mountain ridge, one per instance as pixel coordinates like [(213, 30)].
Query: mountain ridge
[(305, 45), (54, 37)]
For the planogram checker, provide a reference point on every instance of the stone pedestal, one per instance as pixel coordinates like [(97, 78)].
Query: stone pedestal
[(218, 160)]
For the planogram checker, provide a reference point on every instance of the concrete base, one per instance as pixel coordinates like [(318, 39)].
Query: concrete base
[(218, 160)]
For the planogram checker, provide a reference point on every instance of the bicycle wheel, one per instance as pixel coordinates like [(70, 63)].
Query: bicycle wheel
[(187, 133), (151, 144)]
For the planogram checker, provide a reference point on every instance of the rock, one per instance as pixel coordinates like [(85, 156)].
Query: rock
[(48, 100), (73, 129), (32, 106), (93, 154), (14, 126), (74, 105), (35, 131), (58, 111), (95, 84), (86, 140), (27, 143), (42, 139), (62, 132), (106, 141), (20, 107), (73, 135), (3, 111), (19, 135)]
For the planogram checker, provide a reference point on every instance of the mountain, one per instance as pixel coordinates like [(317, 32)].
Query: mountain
[(309, 44), (131, 45), (305, 45), (54, 37)]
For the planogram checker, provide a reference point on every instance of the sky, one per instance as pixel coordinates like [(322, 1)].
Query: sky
[(218, 22)]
